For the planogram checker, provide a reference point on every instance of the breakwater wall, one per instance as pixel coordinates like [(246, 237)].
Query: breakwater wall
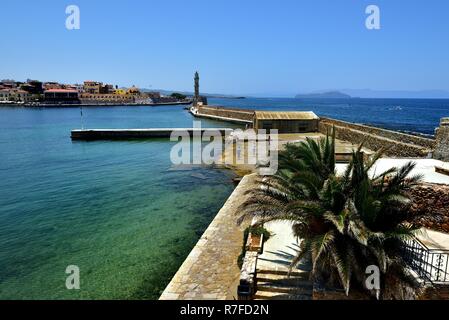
[(226, 114), (442, 141), (395, 144), (123, 134)]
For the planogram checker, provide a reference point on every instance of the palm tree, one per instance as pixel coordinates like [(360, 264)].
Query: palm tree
[(345, 222)]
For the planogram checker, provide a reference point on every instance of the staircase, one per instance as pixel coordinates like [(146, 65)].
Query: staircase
[(277, 285)]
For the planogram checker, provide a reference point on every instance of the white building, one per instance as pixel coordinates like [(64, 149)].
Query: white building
[(14, 95), (5, 95), (22, 96)]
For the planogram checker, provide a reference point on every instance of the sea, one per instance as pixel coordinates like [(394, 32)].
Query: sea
[(120, 211)]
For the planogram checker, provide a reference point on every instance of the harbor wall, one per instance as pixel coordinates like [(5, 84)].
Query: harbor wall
[(442, 141), (394, 144), (237, 115), (118, 134), (389, 134)]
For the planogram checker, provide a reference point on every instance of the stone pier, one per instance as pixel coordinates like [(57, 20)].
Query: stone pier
[(124, 134)]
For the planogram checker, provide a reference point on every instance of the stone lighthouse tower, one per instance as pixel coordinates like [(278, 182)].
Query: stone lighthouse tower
[(196, 97)]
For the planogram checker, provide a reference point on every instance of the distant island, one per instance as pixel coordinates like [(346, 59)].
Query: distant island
[(324, 95)]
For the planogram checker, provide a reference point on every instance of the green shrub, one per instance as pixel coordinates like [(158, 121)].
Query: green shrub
[(256, 231)]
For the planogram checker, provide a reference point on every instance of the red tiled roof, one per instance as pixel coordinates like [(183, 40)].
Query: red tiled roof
[(61, 90)]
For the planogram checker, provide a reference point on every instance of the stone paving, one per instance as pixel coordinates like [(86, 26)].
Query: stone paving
[(280, 249), (210, 272), (434, 240), (274, 282)]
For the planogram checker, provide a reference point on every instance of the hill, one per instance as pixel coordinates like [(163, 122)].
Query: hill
[(324, 95)]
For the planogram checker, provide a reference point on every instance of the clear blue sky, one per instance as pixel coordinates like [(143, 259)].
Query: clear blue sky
[(239, 47)]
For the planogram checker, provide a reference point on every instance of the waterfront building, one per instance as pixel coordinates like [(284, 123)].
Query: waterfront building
[(78, 87), (8, 84), (106, 89), (133, 91), (66, 96), (21, 96), (14, 95), (120, 91), (33, 87), (5, 95), (92, 87), (97, 92), (286, 122), (106, 98), (52, 85)]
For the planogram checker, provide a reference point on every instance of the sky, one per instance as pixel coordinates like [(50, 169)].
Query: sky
[(243, 47)]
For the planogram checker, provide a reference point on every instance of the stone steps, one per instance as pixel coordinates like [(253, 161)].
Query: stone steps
[(297, 277), (283, 287), (285, 273), (286, 282), (266, 295)]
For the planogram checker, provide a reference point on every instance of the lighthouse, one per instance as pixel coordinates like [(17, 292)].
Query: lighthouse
[(196, 97)]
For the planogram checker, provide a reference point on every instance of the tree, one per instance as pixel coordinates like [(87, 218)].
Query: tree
[(345, 222), (178, 96)]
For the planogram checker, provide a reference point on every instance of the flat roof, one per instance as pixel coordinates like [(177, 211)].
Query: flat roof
[(285, 115), (426, 167)]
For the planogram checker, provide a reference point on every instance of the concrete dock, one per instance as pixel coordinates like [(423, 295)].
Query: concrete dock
[(123, 134)]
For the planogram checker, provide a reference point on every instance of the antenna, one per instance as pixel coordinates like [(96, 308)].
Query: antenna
[(81, 111)]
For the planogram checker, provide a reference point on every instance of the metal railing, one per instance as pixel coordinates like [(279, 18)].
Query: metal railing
[(430, 264)]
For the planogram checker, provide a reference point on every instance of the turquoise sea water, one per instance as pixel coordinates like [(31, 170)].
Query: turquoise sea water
[(117, 210)]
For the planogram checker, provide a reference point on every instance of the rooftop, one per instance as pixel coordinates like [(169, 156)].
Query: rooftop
[(425, 167), (61, 90), (285, 115)]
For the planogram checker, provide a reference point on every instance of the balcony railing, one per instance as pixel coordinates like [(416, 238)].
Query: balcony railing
[(430, 264)]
